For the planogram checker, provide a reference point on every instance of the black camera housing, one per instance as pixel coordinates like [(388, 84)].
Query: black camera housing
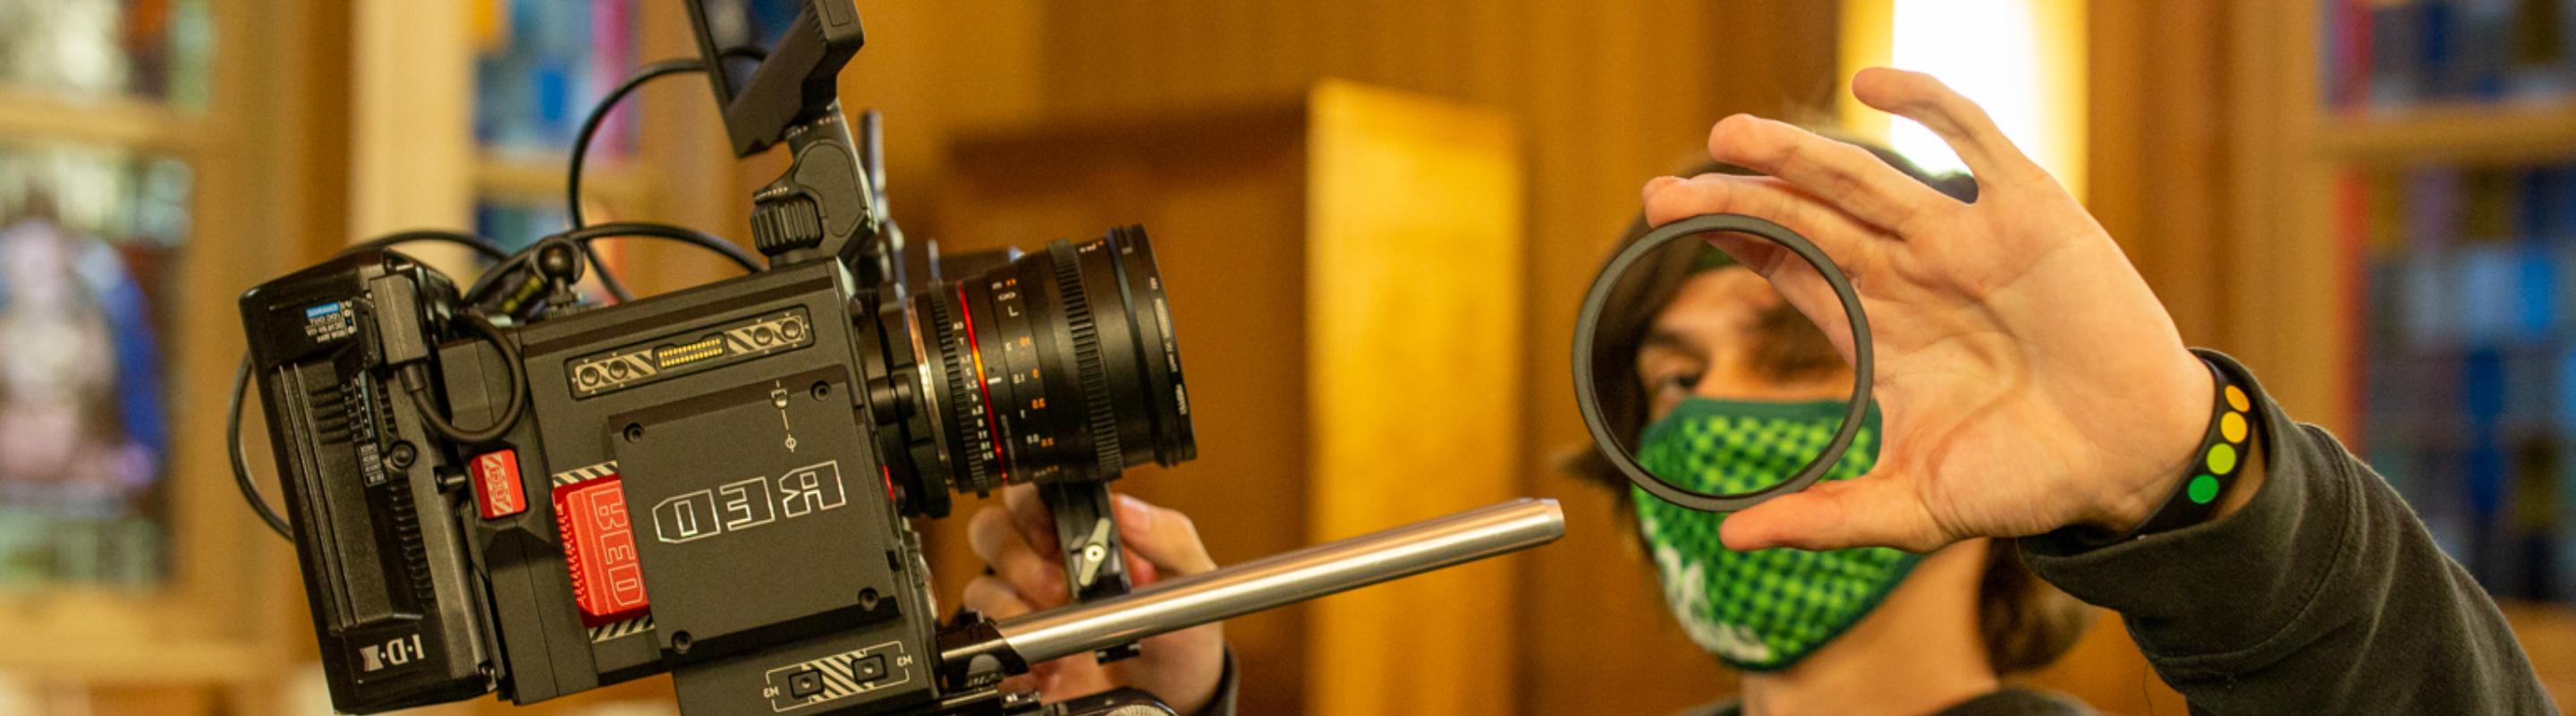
[(680, 483), (766, 551), (686, 485)]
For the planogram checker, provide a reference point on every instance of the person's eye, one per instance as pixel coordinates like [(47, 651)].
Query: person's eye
[(1676, 383)]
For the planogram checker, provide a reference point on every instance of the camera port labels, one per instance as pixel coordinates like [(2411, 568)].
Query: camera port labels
[(746, 504), (836, 677)]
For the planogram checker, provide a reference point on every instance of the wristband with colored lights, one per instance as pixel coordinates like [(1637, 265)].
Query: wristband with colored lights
[(2222, 455)]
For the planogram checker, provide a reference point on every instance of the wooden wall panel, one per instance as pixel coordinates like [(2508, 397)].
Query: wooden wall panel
[(1221, 197), (2159, 149), (1609, 94), (1413, 271), (1346, 274)]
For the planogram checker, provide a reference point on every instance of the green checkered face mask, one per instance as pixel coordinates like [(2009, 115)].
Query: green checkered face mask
[(1762, 610)]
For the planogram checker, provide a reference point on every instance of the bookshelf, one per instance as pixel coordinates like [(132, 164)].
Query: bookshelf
[(480, 138), (608, 181), (2453, 132), (180, 165), (2430, 157), (116, 121)]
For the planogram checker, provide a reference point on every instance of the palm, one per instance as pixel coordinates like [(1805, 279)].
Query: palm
[(2028, 377)]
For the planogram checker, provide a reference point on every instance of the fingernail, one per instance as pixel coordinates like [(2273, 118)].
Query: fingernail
[(1658, 183), (1134, 511)]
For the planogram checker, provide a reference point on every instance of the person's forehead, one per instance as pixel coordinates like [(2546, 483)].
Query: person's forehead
[(1721, 300)]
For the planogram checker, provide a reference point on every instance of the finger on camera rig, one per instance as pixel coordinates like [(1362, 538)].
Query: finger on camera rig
[(1087, 540), (976, 653)]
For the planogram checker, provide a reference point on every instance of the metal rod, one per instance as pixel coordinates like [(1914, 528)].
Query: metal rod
[(1284, 579)]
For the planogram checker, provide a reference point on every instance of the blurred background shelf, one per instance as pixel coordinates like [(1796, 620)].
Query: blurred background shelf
[(604, 180), (2452, 132), (27, 115)]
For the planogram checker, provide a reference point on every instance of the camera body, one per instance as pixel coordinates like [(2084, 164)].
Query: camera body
[(687, 491), (713, 482), (684, 482)]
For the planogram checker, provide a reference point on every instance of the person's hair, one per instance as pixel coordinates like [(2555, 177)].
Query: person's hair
[(2024, 622)]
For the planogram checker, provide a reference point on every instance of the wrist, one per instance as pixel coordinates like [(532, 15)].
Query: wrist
[(2223, 475), (2170, 451)]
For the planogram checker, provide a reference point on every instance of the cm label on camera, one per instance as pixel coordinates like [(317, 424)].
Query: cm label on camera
[(745, 504)]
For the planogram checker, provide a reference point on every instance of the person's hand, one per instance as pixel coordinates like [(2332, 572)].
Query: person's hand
[(2027, 377), (1018, 542)]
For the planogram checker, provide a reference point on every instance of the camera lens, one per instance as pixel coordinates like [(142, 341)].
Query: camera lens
[(1057, 366)]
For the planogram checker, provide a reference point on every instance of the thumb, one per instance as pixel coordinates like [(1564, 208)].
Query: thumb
[(1874, 510)]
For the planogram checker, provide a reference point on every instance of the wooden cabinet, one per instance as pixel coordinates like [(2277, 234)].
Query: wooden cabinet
[(1345, 274)]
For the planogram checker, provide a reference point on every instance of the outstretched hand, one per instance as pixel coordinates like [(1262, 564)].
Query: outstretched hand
[(2027, 378), (1018, 541)]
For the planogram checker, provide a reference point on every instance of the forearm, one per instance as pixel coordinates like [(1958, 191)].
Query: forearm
[(2316, 591)]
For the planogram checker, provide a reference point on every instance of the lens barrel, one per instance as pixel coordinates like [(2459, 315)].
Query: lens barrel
[(1058, 366)]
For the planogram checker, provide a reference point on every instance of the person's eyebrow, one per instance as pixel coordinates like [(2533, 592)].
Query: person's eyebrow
[(1671, 341)]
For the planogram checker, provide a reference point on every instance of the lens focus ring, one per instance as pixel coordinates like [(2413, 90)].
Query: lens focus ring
[(1086, 357)]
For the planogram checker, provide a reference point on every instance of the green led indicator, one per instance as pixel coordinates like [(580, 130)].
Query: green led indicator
[(2222, 459), (2203, 489)]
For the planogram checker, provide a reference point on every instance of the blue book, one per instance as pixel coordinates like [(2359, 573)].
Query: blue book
[(2396, 54)]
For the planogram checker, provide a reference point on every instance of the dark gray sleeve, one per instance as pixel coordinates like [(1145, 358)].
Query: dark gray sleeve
[(2324, 594)]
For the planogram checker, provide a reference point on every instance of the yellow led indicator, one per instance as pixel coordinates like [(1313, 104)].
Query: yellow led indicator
[(668, 357), (2232, 427)]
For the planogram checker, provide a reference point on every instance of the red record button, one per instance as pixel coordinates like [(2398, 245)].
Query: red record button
[(497, 492)]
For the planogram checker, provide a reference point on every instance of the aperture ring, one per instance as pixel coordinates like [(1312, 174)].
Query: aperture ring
[(949, 330)]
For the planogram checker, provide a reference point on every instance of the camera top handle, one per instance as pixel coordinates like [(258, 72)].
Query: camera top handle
[(824, 206)]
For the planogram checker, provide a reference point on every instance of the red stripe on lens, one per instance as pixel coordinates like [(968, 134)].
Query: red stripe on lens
[(973, 348)]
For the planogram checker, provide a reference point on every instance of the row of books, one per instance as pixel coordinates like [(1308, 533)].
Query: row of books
[(541, 64), (2467, 349), (2389, 54), (2476, 255), (516, 223)]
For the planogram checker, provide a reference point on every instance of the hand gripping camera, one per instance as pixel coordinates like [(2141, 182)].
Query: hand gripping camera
[(500, 488)]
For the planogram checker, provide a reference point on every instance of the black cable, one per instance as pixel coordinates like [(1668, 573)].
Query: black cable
[(1586, 390), (241, 465), (484, 287), (241, 377), (476, 294), (581, 150), (414, 380), (590, 128), (694, 237), (481, 246)]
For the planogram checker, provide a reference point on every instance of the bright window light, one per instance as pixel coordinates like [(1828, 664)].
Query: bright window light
[(2023, 60)]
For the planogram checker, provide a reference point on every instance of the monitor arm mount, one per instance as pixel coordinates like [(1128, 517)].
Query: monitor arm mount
[(826, 204)]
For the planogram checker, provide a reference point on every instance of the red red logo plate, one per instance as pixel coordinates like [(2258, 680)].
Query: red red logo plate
[(497, 492)]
